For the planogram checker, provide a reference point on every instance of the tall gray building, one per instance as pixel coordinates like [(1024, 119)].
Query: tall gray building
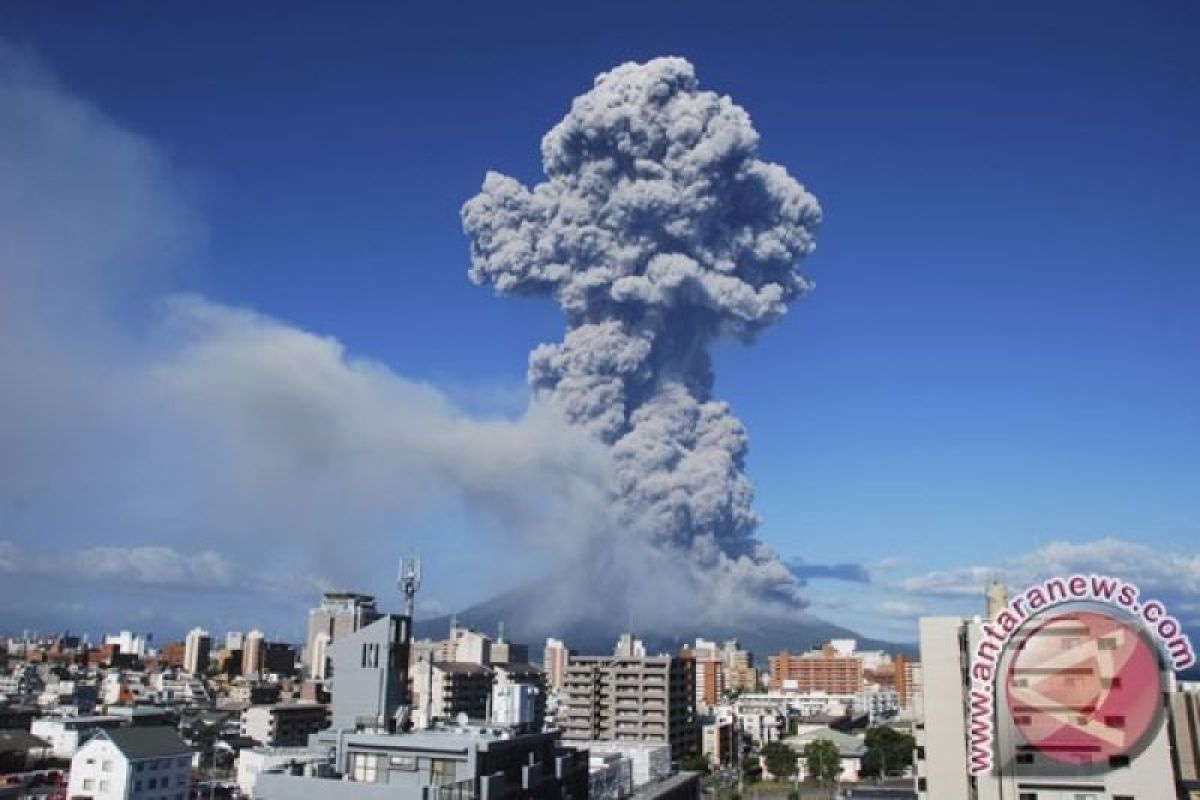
[(632, 698), (370, 675), (340, 614)]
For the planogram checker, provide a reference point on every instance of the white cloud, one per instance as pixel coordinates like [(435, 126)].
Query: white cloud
[(149, 565), (901, 608), (1171, 575), (957, 582)]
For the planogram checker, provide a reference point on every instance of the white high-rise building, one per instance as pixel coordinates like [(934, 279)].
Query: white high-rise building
[(629, 647), (196, 646)]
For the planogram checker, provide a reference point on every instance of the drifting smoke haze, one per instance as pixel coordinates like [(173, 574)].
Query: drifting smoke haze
[(658, 230), (154, 441)]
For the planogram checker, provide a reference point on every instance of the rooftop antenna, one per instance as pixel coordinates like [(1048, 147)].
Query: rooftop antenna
[(501, 632), (409, 580)]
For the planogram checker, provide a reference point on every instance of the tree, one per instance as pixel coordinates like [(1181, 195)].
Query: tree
[(695, 763), (823, 761), (780, 759), (752, 768), (888, 751)]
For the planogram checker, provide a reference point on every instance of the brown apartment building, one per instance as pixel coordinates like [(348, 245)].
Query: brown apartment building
[(817, 671)]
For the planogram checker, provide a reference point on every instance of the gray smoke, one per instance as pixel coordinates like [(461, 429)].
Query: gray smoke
[(658, 230)]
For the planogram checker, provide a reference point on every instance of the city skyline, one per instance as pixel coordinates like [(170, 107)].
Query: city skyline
[(248, 364)]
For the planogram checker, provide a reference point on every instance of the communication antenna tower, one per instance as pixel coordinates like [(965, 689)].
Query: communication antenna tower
[(409, 580)]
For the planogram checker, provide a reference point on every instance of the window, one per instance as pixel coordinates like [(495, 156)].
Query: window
[(406, 763), (104, 786), (137, 786), (364, 767), (1024, 758), (184, 761), (106, 766), (1116, 762), (441, 771), (89, 784), (1027, 796)]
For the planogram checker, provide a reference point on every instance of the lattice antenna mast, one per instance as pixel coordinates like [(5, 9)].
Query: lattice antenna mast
[(409, 580)]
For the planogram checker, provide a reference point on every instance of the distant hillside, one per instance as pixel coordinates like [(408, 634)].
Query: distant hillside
[(597, 632)]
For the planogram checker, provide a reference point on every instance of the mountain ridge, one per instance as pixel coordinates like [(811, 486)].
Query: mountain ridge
[(596, 633)]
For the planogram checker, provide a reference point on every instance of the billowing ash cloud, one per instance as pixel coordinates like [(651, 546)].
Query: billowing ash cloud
[(658, 230)]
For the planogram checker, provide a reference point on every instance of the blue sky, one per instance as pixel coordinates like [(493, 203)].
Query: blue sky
[(999, 356)]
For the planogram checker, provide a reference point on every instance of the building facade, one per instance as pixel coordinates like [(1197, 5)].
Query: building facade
[(340, 614), (824, 670), (632, 698), (942, 710)]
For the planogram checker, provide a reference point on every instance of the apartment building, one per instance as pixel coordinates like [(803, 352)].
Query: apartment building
[(632, 698), (441, 690), (824, 670), (284, 724)]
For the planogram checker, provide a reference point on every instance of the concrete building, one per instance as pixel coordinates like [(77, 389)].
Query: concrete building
[(649, 762), (632, 698), (127, 643), (942, 714), (366, 755), (824, 670), (284, 724), (466, 646), (532, 681), (554, 662), (196, 647), (514, 705), (67, 734), (279, 659), (340, 614), (444, 763), (370, 677), (252, 654), (709, 664), (441, 690), (762, 718), (252, 762), (132, 764), (1185, 740), (629, 647), (173, 655), (718, 739)]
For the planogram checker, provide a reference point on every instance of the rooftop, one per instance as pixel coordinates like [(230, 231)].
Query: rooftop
[(138, 743)]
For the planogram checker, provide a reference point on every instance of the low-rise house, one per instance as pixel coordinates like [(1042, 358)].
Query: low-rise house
[(132, 764), (851, 750)]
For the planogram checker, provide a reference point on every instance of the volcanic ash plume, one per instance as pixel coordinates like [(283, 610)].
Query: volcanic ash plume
[(657, 230)]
